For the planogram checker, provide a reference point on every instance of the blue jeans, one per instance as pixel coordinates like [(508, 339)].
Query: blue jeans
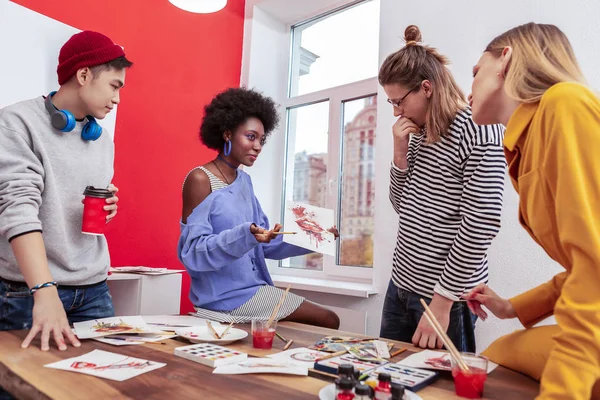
[(81, 304), (402, 311)]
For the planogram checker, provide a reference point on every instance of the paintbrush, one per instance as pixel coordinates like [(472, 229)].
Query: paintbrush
[(444, 337), (339, 353), (284, 233), (215, 334), (227, 330), (277, 307)]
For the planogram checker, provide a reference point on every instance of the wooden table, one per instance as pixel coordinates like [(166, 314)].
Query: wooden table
[(22, 373)]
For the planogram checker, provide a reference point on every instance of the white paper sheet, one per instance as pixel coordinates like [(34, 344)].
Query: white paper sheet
[(260, 366), (301, 357), (430, 359), (104, 364), (111, 326), (124, 340), (311, 225)]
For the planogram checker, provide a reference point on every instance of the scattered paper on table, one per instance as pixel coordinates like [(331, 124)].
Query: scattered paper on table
[(259, 366), (113, 325), (124, 340), (104, 364), (301, 357), (144, 270), (173, 322), (430, 359)]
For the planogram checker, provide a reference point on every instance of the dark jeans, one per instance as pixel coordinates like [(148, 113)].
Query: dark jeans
[(402, 311), (81, 304)]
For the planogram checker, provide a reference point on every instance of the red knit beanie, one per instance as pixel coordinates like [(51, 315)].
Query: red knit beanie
[(85, 49)]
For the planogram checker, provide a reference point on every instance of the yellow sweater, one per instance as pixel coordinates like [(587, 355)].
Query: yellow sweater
[(553, 151)]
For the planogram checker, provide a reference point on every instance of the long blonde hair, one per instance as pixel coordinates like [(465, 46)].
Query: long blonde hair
[(542, 56), (413, 64)]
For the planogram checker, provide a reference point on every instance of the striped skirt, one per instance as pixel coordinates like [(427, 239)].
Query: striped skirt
[(259, 307)]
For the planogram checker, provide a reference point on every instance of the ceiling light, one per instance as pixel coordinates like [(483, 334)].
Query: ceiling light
[(200, 6)]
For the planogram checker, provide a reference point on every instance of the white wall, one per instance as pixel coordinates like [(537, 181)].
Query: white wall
[(459, 29), (269, 43), (29, 45)]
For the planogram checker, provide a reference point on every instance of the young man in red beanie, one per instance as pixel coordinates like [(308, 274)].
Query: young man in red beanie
[(51, 148)]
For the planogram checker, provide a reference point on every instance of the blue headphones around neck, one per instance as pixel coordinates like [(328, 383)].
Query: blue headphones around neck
[(64, 121)]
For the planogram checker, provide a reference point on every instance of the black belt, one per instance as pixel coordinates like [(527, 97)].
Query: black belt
[(68, 287)]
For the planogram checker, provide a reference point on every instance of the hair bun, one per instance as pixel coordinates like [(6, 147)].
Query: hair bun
[(412, 34)]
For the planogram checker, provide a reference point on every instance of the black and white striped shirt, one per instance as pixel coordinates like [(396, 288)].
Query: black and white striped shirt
[(449, 202)]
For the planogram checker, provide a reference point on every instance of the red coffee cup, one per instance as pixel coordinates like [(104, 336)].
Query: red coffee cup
[(94, 214)]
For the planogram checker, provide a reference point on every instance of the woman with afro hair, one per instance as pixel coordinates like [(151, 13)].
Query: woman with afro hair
[(225, 235)]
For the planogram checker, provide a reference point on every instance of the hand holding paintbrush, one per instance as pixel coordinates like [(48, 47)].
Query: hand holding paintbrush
[(445, 339)]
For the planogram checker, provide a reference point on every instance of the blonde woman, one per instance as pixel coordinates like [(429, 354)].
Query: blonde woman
[(447, 180), (529, 80)]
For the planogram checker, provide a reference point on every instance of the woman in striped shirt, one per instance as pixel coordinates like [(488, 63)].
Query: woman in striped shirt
[(447, 181)]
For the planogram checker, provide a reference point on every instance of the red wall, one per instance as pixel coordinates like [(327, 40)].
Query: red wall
[(181, 60)]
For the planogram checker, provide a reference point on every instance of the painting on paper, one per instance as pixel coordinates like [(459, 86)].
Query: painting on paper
[(104, 364), (313, 227)]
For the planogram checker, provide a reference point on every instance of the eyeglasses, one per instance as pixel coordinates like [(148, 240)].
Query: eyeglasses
[(397, 103)]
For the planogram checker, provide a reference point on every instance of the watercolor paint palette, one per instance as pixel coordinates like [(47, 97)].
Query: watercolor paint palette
[(209, 354), (333, 344), (331, 365), (411, 378)]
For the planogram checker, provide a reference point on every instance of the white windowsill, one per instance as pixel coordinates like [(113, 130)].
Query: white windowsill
[(354, 289)]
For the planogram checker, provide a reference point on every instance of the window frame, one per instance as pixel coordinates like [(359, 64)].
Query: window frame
[(336, 96)]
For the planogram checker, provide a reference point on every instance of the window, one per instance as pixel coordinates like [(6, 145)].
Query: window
[(324, 47), (331, 116), (307, 137)]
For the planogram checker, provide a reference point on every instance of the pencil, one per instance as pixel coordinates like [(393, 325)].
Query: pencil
[(281, 337), (288, 344), (395, 353), (122, 338)]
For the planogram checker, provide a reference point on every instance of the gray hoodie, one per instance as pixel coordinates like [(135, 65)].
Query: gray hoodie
[(43, 173)]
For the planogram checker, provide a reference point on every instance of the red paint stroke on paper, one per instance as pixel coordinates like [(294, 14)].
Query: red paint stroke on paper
[(306, 222)]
